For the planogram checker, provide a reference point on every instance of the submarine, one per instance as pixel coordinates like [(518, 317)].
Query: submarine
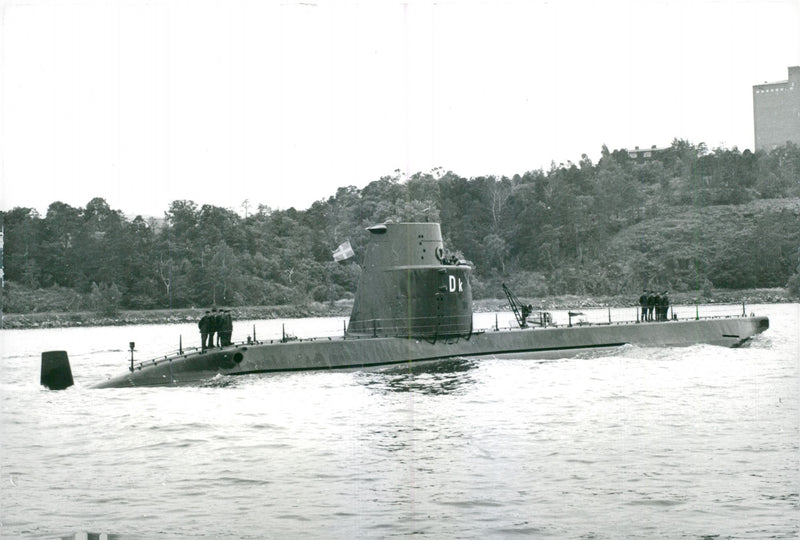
[(414, 304)]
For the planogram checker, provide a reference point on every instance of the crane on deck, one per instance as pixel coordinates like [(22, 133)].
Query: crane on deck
[(523, 311)]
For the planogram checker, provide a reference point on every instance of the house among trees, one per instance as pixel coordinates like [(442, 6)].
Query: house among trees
[(641, 155)]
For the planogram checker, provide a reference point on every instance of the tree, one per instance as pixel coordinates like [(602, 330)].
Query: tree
[(106, 299), (62, 231), (618, 194), (496, 250), (22, 242)]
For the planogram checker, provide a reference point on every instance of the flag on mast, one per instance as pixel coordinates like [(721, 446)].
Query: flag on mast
[(343, 252)]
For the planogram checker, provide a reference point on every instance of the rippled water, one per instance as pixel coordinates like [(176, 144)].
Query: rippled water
[(699, 442)]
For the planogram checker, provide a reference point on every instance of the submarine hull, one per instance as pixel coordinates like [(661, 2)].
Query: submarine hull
[(414, 304), (361, 352)]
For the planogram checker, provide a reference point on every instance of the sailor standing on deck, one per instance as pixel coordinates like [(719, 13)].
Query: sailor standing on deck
[(227, 328), (643, 304), (219, 325), (657, 306), (203, 324), (665, 303), (651, 304), (212, 327)]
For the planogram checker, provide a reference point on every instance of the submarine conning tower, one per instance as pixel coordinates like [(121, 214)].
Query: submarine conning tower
[(408, 287)]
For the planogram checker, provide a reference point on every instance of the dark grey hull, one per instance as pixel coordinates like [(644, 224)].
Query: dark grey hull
[(361, 352)]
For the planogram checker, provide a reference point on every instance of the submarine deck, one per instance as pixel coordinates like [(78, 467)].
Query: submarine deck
[(361, 351)]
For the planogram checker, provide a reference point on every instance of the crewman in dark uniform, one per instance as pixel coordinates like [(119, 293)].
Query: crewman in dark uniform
[(659, 308), (665, 303), (643, 304), (212, 327), (651, 304), (203, 324), (227, 327), (657, 305), (219, 324)]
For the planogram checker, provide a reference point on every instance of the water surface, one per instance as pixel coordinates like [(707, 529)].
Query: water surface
[(698, 442)]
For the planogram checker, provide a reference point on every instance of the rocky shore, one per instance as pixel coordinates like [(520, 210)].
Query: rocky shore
[(342, 309)]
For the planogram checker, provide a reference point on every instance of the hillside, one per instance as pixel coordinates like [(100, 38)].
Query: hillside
[(732, 246), (684, 219)]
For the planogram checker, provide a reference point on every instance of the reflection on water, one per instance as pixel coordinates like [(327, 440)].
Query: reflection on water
[(432, 378)]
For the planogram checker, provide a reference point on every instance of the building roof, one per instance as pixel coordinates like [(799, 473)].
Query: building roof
[(792, 70), (653, 148)]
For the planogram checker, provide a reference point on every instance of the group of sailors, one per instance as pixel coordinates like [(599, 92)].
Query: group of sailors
[(216, 322), (655, 306)]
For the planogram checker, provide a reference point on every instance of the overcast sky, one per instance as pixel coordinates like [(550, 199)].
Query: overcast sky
[(143, 103)]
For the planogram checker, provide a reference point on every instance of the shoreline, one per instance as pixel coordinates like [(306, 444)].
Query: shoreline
[(342, 308)]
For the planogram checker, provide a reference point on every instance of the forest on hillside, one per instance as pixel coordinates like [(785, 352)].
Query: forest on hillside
[(683, 218)]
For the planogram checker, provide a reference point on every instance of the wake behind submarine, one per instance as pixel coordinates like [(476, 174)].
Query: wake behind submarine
[(413, 304)]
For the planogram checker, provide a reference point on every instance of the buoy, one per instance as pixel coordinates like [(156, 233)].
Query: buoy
[(56, 373)]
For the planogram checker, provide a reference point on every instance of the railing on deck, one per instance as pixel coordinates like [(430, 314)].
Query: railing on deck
[(606, 315), (437, 328)]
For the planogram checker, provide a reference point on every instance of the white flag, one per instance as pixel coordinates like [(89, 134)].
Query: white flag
[(343, 252)]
